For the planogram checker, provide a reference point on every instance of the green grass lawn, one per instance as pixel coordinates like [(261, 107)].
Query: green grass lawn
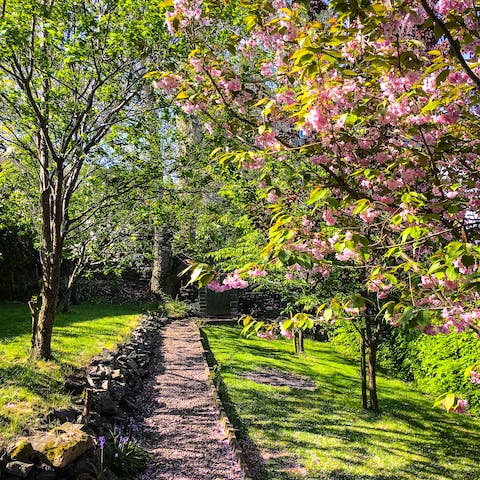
[(29, 388), (324, 434)]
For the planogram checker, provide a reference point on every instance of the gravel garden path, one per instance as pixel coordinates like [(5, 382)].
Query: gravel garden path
[(178, 423)]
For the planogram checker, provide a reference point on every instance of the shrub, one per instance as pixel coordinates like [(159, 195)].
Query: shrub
[(438, 364)]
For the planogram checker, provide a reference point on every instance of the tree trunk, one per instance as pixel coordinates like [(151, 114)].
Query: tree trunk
[(372, 375), (67, 300), (42, 337), (301, 347), (162, 261), (53, 208), (363, 369), (72, 276), (42, 334)]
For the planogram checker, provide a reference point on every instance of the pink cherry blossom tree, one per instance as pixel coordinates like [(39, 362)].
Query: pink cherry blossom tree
[(372, 113)]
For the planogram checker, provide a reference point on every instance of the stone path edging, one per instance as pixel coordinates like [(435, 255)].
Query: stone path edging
[(230, 431)]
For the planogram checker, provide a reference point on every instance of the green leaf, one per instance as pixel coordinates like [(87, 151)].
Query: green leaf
[(449, 401), (362, 206), (196, 273), (317, 194)]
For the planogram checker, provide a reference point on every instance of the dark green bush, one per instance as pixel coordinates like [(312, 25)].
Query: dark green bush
[(438, 364)]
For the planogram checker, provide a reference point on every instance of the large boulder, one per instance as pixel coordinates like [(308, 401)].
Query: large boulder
[(62, 445)]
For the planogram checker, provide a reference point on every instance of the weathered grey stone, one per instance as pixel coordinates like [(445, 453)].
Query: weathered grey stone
[(19, 469), (107, 357), (64, 415), (75, 383), (91, 382), (21, 450), (132, 364), (96, 360), (62, 445), (104, 403), (121, 358)]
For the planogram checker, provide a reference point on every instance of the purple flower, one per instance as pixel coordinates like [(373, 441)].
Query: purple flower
[(101, 442), (132, 425)]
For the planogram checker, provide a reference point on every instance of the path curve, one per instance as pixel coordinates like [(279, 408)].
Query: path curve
[(178, 423)]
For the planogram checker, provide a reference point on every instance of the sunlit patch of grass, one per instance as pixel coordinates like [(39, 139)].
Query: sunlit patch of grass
[(324, 434), (29, 388)]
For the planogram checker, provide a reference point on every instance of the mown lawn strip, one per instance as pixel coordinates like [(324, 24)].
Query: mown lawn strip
[(29, 388), (324, 434)]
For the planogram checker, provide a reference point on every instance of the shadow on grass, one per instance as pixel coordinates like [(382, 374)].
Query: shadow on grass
[(28, 377), (45, 380), (252, 455), (411, 439), (15, 319)]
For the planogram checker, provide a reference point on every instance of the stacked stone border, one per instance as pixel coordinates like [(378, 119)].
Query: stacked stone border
[(217, 387), (102, 394)]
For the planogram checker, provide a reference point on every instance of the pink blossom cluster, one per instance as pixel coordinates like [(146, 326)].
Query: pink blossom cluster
[(316, 119), (233, 85), (346, 255), (272, 196), (231, 281), (379, 286), (285, 332), (256, 163), (461, 406), (355, 310), (185, 11), (475, 377), (268, 335), (256, 272), (457, 6), (217, 287), (267, 139), (168, 83), (369, 215), (455, 319), (330, 217)]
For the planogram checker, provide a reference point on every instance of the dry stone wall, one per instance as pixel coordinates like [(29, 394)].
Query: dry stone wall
[(103, 395)]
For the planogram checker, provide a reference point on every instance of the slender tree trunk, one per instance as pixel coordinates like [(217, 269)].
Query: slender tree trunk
[(162, 261), (372, 365), (67, 299), (301, 347), (363, 369), (372, 375), (43, 335), (53, 206)]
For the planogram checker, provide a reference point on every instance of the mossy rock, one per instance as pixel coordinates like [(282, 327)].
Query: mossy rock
[(21, 450), (62, 445)]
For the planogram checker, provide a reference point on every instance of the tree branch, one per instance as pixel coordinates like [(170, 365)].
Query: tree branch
[(453, 43)]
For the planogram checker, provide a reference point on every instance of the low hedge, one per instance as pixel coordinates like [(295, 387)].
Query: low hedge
[(436, 364)]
